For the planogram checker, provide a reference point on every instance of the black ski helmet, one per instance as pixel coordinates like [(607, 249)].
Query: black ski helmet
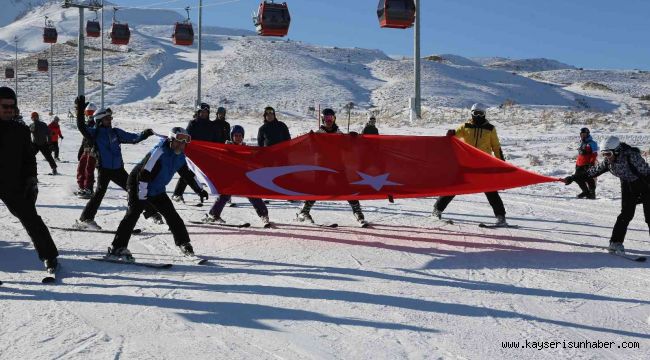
[(328, 111), (584, 130)]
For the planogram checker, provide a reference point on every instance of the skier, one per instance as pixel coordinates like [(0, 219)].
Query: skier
[(587, 155), (18, 178), (55, 134), (87, 159), (329, 127), (106, 141), (214, 216), (222, 126), (41, 140), (481, 134), (370, 128), (273, 131), (626, 163), (146, 185), (200, 128)]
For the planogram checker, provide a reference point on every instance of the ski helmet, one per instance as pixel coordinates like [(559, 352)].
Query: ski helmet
[(612, 143), (478, 107), (237, 129), (372, 120), (221, 110), (90, 109), (102, 113), (203, 106), (269, 109), (328, 111), (179, 134), (584, 130)]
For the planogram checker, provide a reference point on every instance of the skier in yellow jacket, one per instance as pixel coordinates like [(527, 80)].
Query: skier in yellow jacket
[(481, 134)]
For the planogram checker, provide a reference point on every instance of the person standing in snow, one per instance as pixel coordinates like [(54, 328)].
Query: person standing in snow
[(222, 126), (329, 127), (18, 178), (479, 133), (55, 134), (201, 128), (214, 216), (370, 128), (41, 140), (626, 163), (273, 131), (146, 185), (587, 155), (87, 159), (107, 142)]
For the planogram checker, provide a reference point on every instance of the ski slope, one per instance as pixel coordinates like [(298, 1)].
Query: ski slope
[(407, 288)]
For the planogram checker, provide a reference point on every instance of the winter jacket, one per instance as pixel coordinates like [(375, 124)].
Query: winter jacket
[(203, 129), (17, 160), (40, 133), (370, 130), (628, 156), (222, 128), (272, 132), (55, 131), (587, 152), (107, 143), (484, 137), (157, 169), (333, 130)]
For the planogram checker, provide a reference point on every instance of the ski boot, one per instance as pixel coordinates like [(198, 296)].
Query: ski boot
[(501, 221), (616, 247), (51, 264), (156, 219), (211, 219), (119, 254), (186, 249), (304, 217), (88, 224), (437, 214), (361, 219), (178, 198), (582, 195), (265, 221)]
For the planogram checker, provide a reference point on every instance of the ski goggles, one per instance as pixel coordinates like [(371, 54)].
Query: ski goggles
[(184, 138), (203, 106), (607, 153), (478, 113)]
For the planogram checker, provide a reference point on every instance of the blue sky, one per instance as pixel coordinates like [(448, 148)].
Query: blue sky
[(585, 33)]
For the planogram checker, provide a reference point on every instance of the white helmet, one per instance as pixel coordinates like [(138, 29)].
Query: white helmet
[(90, 109), (478, 107), (612, 143), (102, 113)]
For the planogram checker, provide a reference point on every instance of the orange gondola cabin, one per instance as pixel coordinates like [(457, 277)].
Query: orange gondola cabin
[(93, 29), (120, 34), (396, 14), (42, 65), (50, 35), (183, 34), (272, 19)]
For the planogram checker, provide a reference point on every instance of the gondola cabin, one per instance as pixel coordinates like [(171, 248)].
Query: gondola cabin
[(272, 19), (9, 73), (183, 34), (93, 29), (120, 34), (396, 14), (42, 65), (50, 35)]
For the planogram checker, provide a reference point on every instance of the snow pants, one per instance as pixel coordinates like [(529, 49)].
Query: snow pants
[(25, 211), (47, 153), (54, 147), (258, 204), (493, 198), (161, 203), (354, 204), (181, 185), (587, 186), (631, 194), (86, 171)]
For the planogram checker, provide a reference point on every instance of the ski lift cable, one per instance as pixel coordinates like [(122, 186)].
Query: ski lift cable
[(37, 18), (179, 8)]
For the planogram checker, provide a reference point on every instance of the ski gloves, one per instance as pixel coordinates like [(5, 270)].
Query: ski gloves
[(569, 179), (203, 194)]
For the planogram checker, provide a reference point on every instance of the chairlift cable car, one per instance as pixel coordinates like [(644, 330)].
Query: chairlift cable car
[(396, 14), (93, 29), (9, 73), (272, 19), (183, 31), (120, 33), (50, 34), (42, 65)]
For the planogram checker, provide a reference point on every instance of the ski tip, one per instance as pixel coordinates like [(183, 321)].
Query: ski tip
[(48, 280), (137, 231), (245, 225)]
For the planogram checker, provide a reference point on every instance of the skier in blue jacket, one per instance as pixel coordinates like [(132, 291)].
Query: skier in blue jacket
[(106, 141), (146, 185)]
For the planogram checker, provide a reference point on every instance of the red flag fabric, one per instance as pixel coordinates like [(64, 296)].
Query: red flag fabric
[(364, 167)]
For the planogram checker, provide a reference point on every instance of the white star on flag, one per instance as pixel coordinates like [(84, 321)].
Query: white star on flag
[(375, 182)]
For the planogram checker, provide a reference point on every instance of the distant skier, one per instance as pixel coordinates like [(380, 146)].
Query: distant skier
[(87, 158), (146, 185), (370, 128), (479, 133), (55, 134), (214, 216), (201, 128), (273, 131), (626, 163), (18, 178), (222, 126), (107, 142), (329, 127), (587, 155), (41, 140)]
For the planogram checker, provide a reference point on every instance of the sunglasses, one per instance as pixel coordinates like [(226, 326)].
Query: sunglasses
[(184, 138), (269, 113), (8, 106), (478, 113), (607, 153)]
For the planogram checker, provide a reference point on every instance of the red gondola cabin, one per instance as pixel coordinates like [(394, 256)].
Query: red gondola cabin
[(120, 34), (397, 14), (272, 19), (9, 73), (42, 65), (50, 35), (93, 29), (183, 34)]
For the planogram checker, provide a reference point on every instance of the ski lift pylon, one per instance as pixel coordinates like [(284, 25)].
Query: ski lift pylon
[(183, 31), (120, 33), (396, 14), (272, 19)]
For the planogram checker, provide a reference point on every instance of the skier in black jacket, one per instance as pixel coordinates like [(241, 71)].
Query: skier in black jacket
[(370, 128), (273, 131), (222, 126), (41, 140), (18, 181)]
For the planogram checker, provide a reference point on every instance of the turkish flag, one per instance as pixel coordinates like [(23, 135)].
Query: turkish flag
[(364, 167)]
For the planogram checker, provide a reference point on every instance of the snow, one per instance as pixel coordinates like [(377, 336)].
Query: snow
[(409, 287)]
